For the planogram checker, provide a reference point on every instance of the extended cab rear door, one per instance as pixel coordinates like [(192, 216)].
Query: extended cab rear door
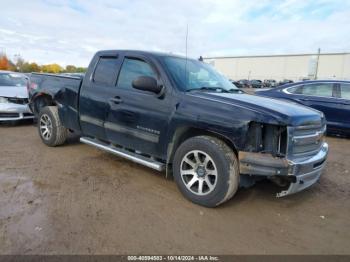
[(96, 92), (138, 119)]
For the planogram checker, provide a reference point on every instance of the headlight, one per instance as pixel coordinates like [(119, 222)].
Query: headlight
[(3, 100)]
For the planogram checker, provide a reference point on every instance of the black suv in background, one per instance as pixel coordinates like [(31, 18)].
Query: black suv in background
[(285, 81), (255, 83), (243, 83)]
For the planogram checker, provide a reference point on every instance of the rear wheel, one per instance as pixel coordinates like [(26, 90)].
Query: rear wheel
[(50, 128), (206, 171)]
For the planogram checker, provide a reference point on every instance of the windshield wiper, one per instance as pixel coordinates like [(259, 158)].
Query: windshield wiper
[(207, 88), (235, 90)]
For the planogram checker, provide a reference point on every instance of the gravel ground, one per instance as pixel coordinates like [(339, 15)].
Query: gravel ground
[(75, 199)]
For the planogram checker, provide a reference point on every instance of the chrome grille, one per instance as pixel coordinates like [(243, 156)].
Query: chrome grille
[(305, 141)]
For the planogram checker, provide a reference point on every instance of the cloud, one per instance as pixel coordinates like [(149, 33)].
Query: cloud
[(70, 31)]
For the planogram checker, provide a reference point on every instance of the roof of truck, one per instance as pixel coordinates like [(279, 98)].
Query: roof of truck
[(141, 52)]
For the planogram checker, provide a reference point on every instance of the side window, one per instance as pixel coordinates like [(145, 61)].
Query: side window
[(318, 89), (106, 70), (295, 90), (345, 91), (132, 69)]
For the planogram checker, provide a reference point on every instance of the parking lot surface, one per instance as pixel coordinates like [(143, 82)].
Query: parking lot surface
[(75, 199)]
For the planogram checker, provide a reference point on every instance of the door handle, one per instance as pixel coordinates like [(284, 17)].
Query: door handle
[(116, 100)]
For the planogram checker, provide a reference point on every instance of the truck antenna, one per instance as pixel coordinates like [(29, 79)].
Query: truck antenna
[(186, 77)]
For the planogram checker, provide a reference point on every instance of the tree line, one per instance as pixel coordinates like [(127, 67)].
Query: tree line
[(20, 65)]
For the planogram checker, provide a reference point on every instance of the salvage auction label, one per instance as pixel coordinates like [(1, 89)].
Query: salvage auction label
[(173, 258)]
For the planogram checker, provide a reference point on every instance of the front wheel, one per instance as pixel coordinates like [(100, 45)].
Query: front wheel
[(50, 128), (206, 171)]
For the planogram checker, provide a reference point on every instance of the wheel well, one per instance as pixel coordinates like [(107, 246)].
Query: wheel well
[(182, 134), (42, 101)]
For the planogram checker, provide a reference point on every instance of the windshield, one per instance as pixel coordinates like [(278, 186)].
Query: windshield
[(12, 79), (196, 75)]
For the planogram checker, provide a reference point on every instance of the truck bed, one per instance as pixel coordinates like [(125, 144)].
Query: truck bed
[(65, 91)]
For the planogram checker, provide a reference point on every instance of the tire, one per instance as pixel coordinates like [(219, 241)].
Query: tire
[(50, 127), (210, 160)]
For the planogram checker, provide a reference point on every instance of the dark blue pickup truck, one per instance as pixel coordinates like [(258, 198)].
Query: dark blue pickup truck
[(179, 115)]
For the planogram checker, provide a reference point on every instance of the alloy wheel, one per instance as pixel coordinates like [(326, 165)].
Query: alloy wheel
[(45, 126), (198, 172)]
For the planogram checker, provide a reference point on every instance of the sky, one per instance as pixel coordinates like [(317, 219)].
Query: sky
[(71, 31)]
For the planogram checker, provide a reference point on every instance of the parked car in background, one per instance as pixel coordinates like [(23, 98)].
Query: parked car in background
[(270, 83), (236, 84), (13, 97), (255, 83), (285, 81), (243, 83), (328, 96)]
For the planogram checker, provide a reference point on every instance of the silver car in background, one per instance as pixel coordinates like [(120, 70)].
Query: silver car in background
[(13, 97)]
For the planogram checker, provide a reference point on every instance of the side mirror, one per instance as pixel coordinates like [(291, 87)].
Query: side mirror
[(146, 83)]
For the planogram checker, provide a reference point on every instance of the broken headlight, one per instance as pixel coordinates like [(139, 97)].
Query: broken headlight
[(267, 138)]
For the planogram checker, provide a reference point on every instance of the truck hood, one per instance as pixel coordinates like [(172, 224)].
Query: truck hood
[(14, 91), (281, 111)]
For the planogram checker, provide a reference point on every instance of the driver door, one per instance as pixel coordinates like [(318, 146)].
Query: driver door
[(137, 119)]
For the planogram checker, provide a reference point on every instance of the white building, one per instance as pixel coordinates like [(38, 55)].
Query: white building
[(279, 67)]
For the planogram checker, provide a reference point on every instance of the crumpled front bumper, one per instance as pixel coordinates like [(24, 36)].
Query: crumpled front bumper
[(301, 173), (13, 112), (306, 172)]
